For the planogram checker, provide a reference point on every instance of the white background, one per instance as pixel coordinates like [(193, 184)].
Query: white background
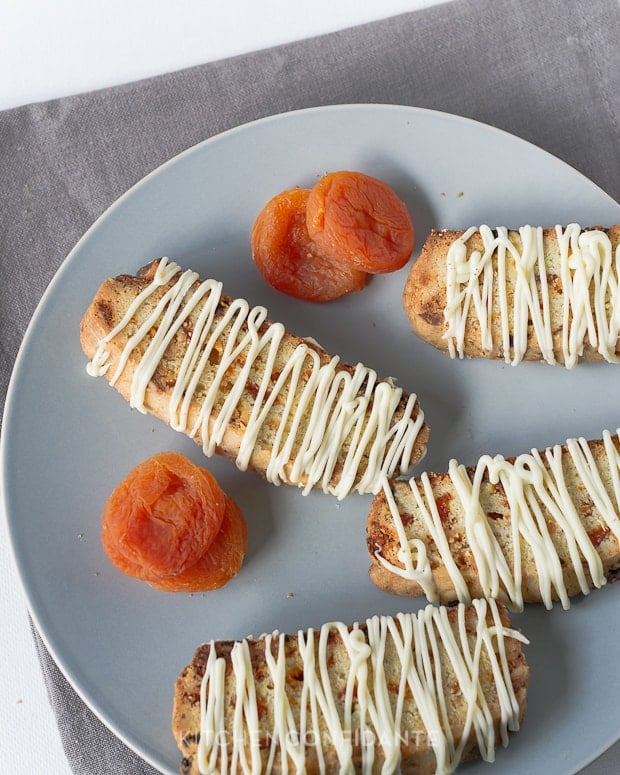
[(52, 49)]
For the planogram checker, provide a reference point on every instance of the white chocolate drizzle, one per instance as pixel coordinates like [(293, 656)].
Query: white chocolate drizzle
[(369, 712), (589, 272), (323, 414), (533, 484)]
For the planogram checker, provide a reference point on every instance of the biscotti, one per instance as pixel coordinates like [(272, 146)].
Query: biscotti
[(414, 693), (535, 293), (241, 386), (540, 527)]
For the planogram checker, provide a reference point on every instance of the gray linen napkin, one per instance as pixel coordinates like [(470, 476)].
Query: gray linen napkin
[(548, 72)]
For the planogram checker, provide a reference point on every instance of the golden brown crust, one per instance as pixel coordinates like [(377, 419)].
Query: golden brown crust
[(417, 753), (382, 536), (108, 307), (424, 296)]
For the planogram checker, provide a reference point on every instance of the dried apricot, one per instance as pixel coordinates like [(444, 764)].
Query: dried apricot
[(290, 261), (361, 221), (220, 563), (162, 518)]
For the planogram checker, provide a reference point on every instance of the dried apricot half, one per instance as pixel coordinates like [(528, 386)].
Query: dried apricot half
[(162, 518), (361, 221), (289, 259), (220, 563)]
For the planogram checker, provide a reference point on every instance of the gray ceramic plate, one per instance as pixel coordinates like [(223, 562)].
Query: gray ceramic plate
[(68, 439)]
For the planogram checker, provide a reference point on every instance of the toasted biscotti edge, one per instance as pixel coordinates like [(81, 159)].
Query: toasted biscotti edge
[(424, 296), (383, 540), (417, 751)]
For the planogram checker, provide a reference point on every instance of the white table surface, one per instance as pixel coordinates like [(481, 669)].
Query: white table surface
[(54, 49)]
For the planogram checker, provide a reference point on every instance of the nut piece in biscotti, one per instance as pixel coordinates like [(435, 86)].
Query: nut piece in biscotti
[(243, 387), (529, 294), (395, 694), (540, 527)]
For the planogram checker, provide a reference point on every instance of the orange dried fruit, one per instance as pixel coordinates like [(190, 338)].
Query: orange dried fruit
[(360, 221), (162, 518), (290, 260), (220, 563)]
